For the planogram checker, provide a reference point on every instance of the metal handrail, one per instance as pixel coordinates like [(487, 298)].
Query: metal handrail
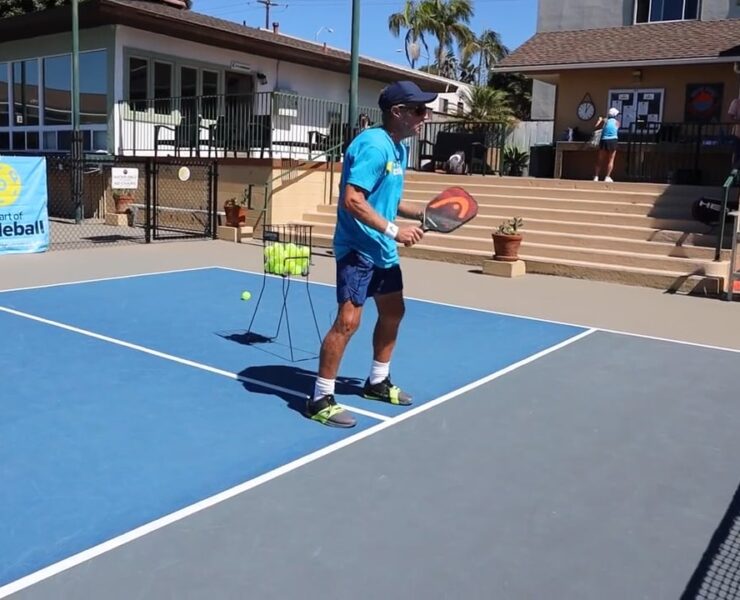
[(732, 181), (329, 153)]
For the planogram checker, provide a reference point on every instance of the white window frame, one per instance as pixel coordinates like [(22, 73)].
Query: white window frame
[(650, 10)]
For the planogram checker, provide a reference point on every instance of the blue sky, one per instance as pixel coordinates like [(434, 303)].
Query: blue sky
[(515, 20)]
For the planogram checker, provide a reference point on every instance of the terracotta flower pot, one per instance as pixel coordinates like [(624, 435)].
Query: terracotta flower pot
[(235, 215), (506, 247)]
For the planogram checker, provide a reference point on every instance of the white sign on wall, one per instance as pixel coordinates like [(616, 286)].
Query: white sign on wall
[(124, 178)]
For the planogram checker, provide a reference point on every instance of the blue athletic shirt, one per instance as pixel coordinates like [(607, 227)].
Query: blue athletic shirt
[(610, 129), (376, 164)]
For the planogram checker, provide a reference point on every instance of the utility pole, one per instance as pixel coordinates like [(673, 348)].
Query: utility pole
[(268, 4), (76, 149), (354, 68)]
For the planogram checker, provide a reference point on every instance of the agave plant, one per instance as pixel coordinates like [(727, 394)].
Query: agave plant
[(511, 226)]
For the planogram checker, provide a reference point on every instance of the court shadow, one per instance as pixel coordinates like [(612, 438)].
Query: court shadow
[(246, 338), (719, 567), (292, 384), (269, 345)]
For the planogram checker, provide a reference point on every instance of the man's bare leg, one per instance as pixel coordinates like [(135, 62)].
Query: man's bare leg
[(336, 340), (390, 312)]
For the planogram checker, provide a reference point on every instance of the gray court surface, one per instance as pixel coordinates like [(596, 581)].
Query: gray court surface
[(605, 469)]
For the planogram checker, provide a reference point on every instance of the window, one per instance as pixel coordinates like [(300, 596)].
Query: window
[(210, 94), (4, 98), (58, 90), (138, 78), (162, 88), (94, 88), (652, 11), (26, 93), (641, 106), (188, 92)]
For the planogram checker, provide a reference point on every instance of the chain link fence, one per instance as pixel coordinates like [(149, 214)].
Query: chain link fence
[(171, 199)]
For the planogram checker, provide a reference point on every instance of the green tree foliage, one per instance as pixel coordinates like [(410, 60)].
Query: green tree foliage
[(487, 104), (13, 8), (518, 89)]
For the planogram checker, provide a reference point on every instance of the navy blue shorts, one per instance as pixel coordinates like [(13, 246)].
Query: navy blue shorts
[(359, 279)]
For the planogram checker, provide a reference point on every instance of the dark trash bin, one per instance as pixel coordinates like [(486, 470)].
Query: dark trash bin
[(542, 161)]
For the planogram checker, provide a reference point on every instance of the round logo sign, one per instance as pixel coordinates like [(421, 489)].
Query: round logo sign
[(10, 185), (183, 174)]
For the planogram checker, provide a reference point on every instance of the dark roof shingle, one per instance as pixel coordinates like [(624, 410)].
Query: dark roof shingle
[(677, 40)]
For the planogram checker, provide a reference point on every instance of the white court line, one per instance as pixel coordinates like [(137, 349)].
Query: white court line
[(112, 278), (473, 308), (177, 359), (152, 526), (540, 319)]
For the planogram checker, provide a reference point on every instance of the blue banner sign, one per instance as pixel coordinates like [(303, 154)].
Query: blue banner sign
[(24, 219)]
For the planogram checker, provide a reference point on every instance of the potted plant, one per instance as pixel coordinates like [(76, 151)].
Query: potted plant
[(507, 239), (122, 200), (515, 160), (236, 212)]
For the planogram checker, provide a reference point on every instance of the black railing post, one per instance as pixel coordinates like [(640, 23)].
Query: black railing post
[(148, 200), (214, 199), (77, 183)]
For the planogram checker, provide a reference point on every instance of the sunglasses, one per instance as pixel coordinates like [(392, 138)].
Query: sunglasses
[(418, 109)]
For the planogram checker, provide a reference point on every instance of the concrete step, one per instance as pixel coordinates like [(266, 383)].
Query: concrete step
[(576, 239), (669, 209), (506, 211), (647, 255), (707, 279), (704, 236), (425, 190), (442, 181)]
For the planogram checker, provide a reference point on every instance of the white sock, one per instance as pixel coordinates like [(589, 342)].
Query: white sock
[(379, 371), (323, 387)]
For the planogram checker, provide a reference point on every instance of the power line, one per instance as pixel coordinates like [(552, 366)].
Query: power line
[(268, 4)]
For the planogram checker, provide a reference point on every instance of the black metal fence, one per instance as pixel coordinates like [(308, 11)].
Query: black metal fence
[(681, 153), (258, 125), (168, 199), (482, 142)]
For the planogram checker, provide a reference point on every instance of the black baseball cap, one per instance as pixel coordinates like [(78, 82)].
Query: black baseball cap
[(404, 92)]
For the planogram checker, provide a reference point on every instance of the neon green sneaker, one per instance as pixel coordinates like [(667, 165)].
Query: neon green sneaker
[(385, 391), (326, 411)]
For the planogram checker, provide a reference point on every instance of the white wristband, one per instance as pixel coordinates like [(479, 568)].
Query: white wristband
[(391, 230)]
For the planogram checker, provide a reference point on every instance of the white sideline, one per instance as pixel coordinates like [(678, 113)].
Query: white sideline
[(139, 532)]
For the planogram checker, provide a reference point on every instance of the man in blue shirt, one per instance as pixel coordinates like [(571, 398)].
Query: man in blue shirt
[(365, 246)]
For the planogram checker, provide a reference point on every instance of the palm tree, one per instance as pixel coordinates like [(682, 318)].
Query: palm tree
[(483, 103), (448, 21), (489, 49), (12, 8), (518, 90), (410, 18)]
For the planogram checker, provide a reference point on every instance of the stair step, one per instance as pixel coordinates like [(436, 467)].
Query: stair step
[(707, 280), (502, 212), (472, 236), (442, 181), (426, 190), (680, 259), (636, 233)]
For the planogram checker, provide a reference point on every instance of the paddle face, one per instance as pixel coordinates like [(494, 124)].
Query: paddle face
[(449, 210)]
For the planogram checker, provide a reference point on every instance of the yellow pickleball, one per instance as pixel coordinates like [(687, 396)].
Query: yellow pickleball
[(10, 184)]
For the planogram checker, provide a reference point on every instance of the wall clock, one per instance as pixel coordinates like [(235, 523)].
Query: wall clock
[(586, 108)]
